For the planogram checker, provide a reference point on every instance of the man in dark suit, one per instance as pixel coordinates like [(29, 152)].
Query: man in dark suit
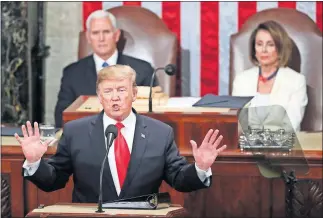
[(79, 78), (143, 154)]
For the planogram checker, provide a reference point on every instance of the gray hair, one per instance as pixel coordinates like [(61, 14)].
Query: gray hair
[(101, 14)]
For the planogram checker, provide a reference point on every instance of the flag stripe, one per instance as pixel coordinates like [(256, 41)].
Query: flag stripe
[(289, 4), (228, 20), (171, 16), (319, 15), (245, 10), (88, 8), (190, 44), (266, 5), (130, 3), (209, 47), (203, 30), (307, 8), (107, 5), (155, 7)]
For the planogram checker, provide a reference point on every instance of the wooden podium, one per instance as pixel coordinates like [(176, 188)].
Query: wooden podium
[(88, 210)]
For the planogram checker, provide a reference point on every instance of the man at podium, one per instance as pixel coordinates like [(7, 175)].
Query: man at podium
[(142, 155)]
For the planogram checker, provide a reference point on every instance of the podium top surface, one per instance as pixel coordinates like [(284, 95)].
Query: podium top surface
[(89, 210)]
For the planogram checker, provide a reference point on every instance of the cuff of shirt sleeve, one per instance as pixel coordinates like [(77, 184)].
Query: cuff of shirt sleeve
[(204, 175), (30, 168)]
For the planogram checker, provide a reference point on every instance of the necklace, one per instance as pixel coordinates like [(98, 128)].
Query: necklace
[(264, 79)]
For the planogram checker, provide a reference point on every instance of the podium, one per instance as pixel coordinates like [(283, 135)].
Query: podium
[(88, 210)]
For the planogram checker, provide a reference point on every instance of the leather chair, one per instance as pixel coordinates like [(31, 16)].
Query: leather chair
[(144, 36), (306, 56)]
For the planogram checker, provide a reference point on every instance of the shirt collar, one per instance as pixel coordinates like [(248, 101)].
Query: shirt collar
[(129, 122), (99, 61)]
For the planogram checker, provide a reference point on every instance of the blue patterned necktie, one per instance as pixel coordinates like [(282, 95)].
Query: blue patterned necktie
[(105, 64)]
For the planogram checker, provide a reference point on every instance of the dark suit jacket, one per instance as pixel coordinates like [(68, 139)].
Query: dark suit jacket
[(79, 78), (82, 148)]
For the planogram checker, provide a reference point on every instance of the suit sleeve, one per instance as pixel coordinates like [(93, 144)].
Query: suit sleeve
[(53, 174), (297, 104), (66, 97), (149, 73), (178, 173)]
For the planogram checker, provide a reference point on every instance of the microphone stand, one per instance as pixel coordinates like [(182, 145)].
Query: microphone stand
[(151, 87), (101, 174)]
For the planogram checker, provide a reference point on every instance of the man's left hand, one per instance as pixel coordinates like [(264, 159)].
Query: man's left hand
[(206, 154)]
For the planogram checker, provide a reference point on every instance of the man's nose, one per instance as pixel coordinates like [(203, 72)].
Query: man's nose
[(115, 95), (101, 36)]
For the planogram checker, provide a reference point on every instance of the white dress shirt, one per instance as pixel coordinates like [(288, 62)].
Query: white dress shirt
[(99, 61), (128, 133)]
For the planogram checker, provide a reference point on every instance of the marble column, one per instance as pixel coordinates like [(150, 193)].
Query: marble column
[(14, 71)]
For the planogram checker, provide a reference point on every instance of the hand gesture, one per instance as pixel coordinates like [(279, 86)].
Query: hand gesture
[(206, 154), (31, 144)]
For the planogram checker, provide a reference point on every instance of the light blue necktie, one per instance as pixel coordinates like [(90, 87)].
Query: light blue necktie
[(105, 64)]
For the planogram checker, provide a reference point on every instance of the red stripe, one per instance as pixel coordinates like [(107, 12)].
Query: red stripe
[(209, 48), (132, 3), (319, 15), (88, 8), (245, 10), (287, 4), (171, 14)]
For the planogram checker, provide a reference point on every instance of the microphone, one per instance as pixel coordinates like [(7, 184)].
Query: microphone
[(170, 70), (110, 133)]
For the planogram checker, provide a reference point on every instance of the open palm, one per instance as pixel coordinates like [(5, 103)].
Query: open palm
[(31, 144), (206, 154)]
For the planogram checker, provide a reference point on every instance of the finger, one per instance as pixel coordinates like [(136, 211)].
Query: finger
[(207, 136), (221, 149), (214, 135), (194, 146), (36, 129), (30, 128), (218, 141), (24, 131), (18, 138)]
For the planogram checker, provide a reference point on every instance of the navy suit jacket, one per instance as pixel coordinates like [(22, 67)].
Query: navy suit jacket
[(81, 150), (79, 78)]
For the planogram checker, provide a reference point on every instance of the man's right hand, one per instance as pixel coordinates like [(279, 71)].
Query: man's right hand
[(31, 144)]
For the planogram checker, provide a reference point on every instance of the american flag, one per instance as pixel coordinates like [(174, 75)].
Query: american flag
[(203, 30)]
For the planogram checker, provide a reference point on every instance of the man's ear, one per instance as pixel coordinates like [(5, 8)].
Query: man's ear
[(87, 34), (99, 96), (117, 34), (134, 93)]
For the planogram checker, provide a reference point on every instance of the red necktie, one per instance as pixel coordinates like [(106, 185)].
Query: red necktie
[(122, 154)]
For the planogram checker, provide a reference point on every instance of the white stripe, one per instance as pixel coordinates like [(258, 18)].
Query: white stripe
[(228, 25), (266, 5), (190, 44), (108, 5), (155, 7), (308, 8)]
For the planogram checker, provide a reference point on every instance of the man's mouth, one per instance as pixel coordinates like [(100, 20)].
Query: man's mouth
[(116, 107)]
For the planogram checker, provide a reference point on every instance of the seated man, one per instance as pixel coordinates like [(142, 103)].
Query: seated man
[(79, 78), (143, 154)]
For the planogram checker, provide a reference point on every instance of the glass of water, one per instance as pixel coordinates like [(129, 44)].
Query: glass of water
[(47, 132)]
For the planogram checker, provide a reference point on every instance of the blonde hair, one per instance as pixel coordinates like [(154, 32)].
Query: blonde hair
[(281, 39), (117, 71)]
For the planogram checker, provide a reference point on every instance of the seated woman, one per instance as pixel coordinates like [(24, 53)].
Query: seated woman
[(279, 92)]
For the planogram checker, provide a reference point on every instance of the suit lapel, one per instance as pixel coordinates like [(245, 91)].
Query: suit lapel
[(274, 97), (99, 147), (138, 150)]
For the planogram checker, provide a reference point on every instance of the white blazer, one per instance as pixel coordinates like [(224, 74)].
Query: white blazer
[(288, 95)]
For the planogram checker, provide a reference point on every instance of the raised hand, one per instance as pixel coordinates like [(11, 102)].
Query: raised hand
[(32, 147), (206, 154)]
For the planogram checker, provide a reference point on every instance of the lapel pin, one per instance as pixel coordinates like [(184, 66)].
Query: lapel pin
[(143, 136)]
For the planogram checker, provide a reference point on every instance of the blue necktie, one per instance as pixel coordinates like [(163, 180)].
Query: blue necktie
[(105, 64)]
